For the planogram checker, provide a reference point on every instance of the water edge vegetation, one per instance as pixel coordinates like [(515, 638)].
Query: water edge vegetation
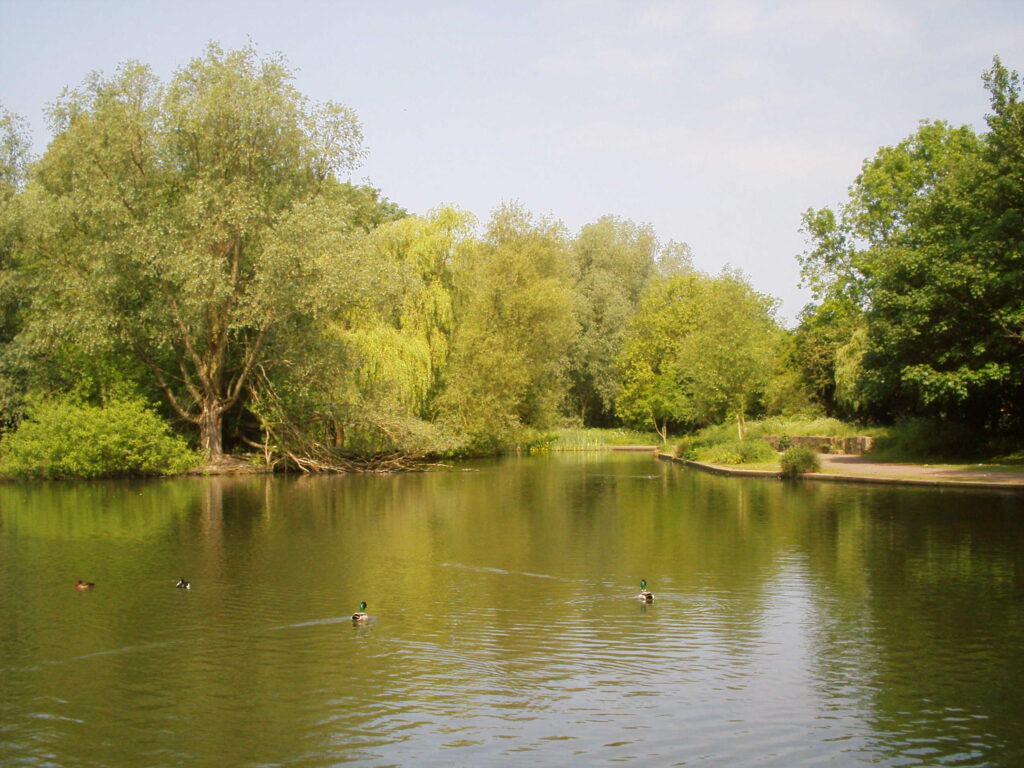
[(193, 250)]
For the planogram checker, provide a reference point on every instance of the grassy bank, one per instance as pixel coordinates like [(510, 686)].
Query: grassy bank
[(719, 445), (915, 441), (593, 439)]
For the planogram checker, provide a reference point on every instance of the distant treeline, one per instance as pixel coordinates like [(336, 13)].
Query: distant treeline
[(191, 247)]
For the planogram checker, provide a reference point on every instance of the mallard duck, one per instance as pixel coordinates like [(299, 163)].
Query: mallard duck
[(361, 614), (182, 584), (84, 584), (644, 595)]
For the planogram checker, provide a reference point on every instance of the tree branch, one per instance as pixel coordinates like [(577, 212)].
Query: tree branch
[(186, 339), (236, 386), (162, 382)]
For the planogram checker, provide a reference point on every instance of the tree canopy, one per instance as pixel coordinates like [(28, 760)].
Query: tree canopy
[(920, 277), (510, 348), (196, 249), (700, 349), (186, 222)]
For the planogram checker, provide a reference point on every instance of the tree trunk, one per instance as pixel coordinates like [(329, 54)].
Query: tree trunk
[(741, 424), (210, 432), (662, 430)]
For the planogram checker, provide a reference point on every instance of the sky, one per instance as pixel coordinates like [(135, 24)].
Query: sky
[(718, 123)]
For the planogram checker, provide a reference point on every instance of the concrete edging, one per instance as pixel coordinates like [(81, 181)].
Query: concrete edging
[(715, 469)]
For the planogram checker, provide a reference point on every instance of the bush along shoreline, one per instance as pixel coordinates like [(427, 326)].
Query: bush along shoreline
[(64, 439)]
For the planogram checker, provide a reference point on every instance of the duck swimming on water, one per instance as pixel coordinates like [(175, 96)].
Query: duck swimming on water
[(644, 595), (84, 584), (361, 614), (182, 584)]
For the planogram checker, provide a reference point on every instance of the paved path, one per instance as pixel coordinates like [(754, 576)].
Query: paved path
[(859, 465), (862, 470)]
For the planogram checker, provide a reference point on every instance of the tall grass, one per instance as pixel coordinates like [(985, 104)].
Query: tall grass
[(593, 439), (753, 451)]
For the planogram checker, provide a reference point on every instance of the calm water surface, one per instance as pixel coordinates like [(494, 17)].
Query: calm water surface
[(793, 624)]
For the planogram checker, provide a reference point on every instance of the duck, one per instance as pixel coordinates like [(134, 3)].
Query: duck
[(644, 595), (182, 584), (81, 585), (361, 614)]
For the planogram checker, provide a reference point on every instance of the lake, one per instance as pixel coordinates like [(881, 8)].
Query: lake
[(792, 623)]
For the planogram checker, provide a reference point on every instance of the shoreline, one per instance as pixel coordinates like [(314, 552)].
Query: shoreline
[(1013, 485)]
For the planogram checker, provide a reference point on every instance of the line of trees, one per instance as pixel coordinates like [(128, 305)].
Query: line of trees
[(194, 245)]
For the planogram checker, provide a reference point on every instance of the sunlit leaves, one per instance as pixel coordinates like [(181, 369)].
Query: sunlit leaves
[(615, 259), (189, 221), (921, 275), (699, 350), (515, 323)]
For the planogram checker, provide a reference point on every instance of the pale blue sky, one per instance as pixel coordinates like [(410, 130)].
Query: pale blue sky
[(717, 122)]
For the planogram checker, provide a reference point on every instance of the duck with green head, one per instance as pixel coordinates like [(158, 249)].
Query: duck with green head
[(644, 595), (361, 614)]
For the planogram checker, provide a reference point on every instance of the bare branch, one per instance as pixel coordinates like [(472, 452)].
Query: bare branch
[(186, 339), (236, 386), (161, 379)]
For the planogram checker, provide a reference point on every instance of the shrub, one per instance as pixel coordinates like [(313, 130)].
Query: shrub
[(924, 439), (799, 460), (66, 439), (685, 450)]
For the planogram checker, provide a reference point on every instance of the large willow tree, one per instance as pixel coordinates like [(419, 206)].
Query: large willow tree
[(186, 223), (362, 391)]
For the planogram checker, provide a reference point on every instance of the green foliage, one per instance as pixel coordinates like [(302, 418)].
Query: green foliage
[(652, 392), (14, 158), (614, 261), (534, 441), (708, 438), (14, 154), (919, 278), (750, 451), (786, 393), (699, 349), (187, 224), (731, 356), (685, 449), (802, 427), (907, 440), (799, 460), (368, 208), (66, 439), (919, 439), (367, 380), (590, 439), (514, 327)]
